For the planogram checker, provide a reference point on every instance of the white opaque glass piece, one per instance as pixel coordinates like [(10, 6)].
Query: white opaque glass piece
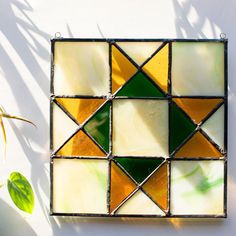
[(63, 127), (81, 68), (197, 187), (80, 186), (198, 68), (214, 127), (140, 127), (140, 204), (139, 51)]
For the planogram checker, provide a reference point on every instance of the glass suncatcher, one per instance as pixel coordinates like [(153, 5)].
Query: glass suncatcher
[(138, 127)]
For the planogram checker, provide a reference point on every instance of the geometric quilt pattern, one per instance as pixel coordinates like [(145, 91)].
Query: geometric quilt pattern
[(138, 127)]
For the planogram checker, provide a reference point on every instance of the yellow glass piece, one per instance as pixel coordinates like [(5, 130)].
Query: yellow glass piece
[(80, 186), (122, 69), (198, 146), (81, 68), (139, 51), (80, 145), (197, 109), (121, 186), (157, 68), (61, 132), (80, 108), (157, 187)]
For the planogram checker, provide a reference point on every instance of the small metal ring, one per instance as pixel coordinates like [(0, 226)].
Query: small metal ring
[(222, 35), (57, 35)]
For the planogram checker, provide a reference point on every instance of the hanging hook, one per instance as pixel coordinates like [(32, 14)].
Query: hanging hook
[(222, 35), (57, 35)]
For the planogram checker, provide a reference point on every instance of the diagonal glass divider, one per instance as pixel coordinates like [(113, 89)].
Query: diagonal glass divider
[(125, 54), (179, 114), (150, 58), (185, 141), (222, 151), (81, 127), (198, 128), (179, 101), (139, 185), (168, 96), (54, 99), (212, 142), (158, 68), (64, 110), (139, 168), (139, 69), (212, 112), (164, 95), (124, 182), (98, 126), (122, 68)]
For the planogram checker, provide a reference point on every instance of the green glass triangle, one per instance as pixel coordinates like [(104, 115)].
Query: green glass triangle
[(98, 126), (140, 86), (180, 126), (139, 168)]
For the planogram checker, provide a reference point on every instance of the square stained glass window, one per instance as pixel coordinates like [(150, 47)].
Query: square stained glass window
[(138, 127)]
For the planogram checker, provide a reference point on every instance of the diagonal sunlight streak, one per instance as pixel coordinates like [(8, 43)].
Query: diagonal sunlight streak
[(23, 49), (13, 34)]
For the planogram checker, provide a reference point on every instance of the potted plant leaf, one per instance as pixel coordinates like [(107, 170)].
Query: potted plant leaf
[(18, 186)]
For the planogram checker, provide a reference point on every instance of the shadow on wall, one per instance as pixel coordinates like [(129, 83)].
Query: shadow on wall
[(218, 14), (215, 16), (13, 219), (211, 17), (24, 37)]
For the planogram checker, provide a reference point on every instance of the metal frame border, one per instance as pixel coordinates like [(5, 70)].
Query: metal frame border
[(112, 41)]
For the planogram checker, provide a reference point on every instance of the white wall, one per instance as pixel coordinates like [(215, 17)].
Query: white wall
[(25, 29)]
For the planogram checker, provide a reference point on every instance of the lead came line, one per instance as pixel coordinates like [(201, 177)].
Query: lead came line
[(110, 155)]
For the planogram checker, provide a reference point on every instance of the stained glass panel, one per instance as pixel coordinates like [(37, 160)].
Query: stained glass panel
[(138, 127)]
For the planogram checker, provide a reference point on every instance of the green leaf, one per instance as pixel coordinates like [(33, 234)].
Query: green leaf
[(21, 192)]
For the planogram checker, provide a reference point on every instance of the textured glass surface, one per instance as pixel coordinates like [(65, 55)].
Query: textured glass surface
[(157, 187), (80, 186), (121, 186), (198, 68), (138, 204), (80, 109), (157, 68), (214, 127), (197, 187), (180, 126), (138, 128), (139, 168), (139, 51), (197, 108), (135, 87), (122, 69), (134, 123), (81, 68), (98, 126), (61, 132), (198, 146), (80, 145)]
